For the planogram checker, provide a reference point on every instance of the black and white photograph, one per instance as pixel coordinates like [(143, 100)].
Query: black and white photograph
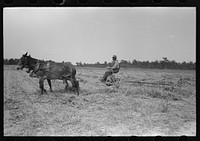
[(99, 71)]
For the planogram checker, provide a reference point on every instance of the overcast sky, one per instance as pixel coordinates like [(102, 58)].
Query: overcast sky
[(93, 35)]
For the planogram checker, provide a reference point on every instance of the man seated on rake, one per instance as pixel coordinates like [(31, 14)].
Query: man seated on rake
[(114, 68)]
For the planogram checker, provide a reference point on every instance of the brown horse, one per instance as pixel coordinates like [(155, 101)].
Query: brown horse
[(49, 70)]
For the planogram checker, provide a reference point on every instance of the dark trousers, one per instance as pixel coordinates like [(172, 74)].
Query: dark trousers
[(109, 72)]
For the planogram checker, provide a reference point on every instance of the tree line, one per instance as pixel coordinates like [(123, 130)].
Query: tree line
[(157, 64), (15, 61), (10, 61)]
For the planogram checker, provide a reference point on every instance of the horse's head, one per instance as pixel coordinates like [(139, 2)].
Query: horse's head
[(23, 62)]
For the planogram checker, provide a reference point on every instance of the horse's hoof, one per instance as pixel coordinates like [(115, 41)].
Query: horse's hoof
[(77, 93), (45, 91)]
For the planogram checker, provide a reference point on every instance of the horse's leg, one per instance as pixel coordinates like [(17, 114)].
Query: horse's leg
[(77, 87), (75, 84), (66, 84), (49, 82), (32, 74), (41, 83)]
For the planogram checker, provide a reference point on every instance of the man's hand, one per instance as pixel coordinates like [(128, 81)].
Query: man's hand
[(109, 68)]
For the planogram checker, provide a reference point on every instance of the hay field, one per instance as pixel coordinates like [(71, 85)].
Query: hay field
[(99, 110)]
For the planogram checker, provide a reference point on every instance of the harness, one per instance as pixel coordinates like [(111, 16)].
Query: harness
[(47, 70), (31, 64)]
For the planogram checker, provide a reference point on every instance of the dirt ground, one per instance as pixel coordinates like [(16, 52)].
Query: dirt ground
[(99, 110)]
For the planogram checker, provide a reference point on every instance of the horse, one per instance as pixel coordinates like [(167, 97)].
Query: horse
[(24, 63), (49, 70)]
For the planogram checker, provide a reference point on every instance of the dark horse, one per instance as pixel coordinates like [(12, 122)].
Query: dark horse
[(49, 70)]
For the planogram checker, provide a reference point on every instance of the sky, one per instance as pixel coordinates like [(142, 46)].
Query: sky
[(95, 34)]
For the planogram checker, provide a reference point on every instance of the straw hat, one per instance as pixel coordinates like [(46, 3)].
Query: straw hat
[(114, 56)]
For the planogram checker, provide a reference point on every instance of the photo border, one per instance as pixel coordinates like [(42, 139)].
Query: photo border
[(100, 3)]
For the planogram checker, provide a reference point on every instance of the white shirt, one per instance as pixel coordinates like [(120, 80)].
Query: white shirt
[(115, 64)]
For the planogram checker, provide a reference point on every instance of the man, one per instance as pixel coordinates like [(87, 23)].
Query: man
[(114, 68)]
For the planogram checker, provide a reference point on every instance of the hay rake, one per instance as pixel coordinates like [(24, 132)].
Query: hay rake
[(117, 82), (113, 81), (163, 83)]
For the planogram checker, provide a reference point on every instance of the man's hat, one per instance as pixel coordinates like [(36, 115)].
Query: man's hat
[(114, 56)]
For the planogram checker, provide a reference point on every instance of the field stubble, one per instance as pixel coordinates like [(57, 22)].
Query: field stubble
[(99, 110)]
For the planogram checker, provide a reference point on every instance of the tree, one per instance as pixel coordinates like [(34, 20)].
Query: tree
[(134, 63), (6, 62), (78, 63), (183, 65), (191, 65), (165, 62), (124, 63), (12, 62)]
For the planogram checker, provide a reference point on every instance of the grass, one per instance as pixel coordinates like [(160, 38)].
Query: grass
[(99, 110)]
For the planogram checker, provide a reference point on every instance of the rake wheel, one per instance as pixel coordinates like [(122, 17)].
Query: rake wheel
[(113, 81)]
